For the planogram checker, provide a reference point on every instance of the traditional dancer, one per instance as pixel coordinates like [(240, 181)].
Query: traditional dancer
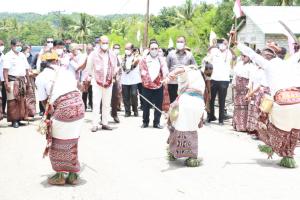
[(186, 114), (257, 90), (240, 85), (282, 130), (57, 89)]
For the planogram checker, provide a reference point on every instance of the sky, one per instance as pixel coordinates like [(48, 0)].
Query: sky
[(93, 7)]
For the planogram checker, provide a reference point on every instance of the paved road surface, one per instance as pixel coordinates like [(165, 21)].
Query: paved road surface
[(129, 163)]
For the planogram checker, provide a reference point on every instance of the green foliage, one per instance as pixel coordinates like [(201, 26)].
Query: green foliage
[(194, 21)]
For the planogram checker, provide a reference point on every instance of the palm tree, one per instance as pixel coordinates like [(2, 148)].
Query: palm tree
[(186, 12), (82, 30)]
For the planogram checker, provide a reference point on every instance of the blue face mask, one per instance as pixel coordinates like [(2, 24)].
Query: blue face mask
[(18, 49)]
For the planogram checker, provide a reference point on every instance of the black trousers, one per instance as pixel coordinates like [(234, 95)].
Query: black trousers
[(218, 88), (155, 97), (41, 107), (4, 97), (115, 99), (173, 92), (140, 89), (129, 93), (88, 95)]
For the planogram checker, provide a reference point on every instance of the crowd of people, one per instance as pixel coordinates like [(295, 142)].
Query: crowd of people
[(70, 78)]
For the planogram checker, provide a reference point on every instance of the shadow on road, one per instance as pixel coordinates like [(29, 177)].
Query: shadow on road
[(45, 183)]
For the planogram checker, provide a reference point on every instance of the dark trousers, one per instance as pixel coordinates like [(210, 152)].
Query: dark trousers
[(129, 93), (140, 89), (115, 99), (155, 97), (41, 107), (173, 92), (218, 88), (88, 95), (4, 97)]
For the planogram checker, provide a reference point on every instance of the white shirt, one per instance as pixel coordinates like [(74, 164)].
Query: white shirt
[(134, 76), (76, 63), (90, 65), (242, 70), (1, 68), (153, 65), (16, 64), (221, 62), (280, 74), (64, 83), (257, 78)]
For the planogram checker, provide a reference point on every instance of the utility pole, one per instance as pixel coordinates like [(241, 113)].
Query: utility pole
[(145, 39)]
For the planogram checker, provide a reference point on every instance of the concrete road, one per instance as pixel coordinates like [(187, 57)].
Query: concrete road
[(129, 163)]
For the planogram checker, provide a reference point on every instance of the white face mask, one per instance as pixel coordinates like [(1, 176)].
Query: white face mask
[(127, 52), (27, 55), (78, 52), (59, 51), (222, 47), (18, 49), (104, 47), (49, 45), (2, 48), (117, 51), (153, 53), (180, 45)]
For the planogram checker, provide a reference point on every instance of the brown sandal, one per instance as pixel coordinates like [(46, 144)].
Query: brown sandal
[(57, 179)]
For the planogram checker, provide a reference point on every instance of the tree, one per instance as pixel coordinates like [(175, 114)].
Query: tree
[(82, 29)]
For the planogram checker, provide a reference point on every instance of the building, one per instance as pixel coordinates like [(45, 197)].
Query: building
[(262, 24)]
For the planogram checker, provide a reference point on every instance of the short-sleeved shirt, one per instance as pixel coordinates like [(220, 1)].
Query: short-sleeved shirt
[(221, 62), (64, 82), (16, 64), (176, 59), (1, 67)]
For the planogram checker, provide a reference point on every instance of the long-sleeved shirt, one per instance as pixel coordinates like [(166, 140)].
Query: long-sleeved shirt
[(280, 74)]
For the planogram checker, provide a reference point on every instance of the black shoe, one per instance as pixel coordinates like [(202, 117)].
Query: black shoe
[(116, 119), (221, 123), (144, 125), (158, 126), (211, 119), (41, 114), (227, 117), (127, 114), (15, 124), (136, 114), (106, 127), (21, 124)]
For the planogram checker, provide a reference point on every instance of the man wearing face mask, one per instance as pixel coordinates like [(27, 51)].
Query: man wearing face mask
[(77, 60), (15, 69), (130, 79), (2, 87), (63, 58), (102, 65), (220, 57), (180, 57), (87, 91), (47, 47), (154, 70), (116, 92)]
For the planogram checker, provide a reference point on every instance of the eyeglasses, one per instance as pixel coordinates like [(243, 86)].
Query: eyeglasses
[(153, 48), (49, 41)]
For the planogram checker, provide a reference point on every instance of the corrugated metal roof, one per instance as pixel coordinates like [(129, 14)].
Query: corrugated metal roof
[(266, 18)]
